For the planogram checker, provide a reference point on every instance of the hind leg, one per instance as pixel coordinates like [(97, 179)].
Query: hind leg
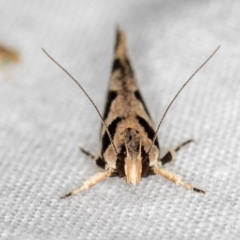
[(174, 178)]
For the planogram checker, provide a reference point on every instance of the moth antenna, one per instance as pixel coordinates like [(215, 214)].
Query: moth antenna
[(199, 68), (109, 135)]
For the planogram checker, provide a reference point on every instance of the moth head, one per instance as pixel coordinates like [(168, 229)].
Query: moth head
[(132, 160)]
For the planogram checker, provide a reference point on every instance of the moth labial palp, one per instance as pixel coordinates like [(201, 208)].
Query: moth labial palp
[(129, 144)]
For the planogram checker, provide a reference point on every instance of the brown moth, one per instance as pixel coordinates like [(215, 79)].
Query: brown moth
[(129, 144)]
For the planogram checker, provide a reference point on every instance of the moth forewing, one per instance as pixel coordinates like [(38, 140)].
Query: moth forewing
[(129, 144)]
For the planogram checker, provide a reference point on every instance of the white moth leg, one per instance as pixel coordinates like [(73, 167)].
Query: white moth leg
[(174, 178), (91, 182)]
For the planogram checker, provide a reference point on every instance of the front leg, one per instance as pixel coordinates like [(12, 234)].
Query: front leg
[(170, 155), (91, 182)]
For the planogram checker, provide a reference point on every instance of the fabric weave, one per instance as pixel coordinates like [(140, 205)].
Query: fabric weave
[(44, 118)]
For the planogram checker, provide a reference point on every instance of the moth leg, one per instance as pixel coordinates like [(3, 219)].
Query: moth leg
[(87, 153), (170, 155), (174, 178), (91, 182)]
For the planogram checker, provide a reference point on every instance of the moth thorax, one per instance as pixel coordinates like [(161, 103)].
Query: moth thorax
[(131, 159)]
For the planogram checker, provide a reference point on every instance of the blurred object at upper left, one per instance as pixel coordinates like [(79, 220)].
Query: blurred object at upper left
[(7, 56)]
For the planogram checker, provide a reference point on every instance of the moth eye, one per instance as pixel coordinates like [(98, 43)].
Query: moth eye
[(145, 163), (122, 153), (145, 157), (121, 156), (120, 167), (120, 161), (145, 167)]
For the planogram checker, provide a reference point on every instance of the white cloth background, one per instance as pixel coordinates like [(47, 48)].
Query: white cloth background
[(44, 118)]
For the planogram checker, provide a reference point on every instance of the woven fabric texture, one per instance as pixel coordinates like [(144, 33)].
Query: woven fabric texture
[(44, 118)]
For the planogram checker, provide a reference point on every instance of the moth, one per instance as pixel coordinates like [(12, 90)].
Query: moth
[(129, 143)]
